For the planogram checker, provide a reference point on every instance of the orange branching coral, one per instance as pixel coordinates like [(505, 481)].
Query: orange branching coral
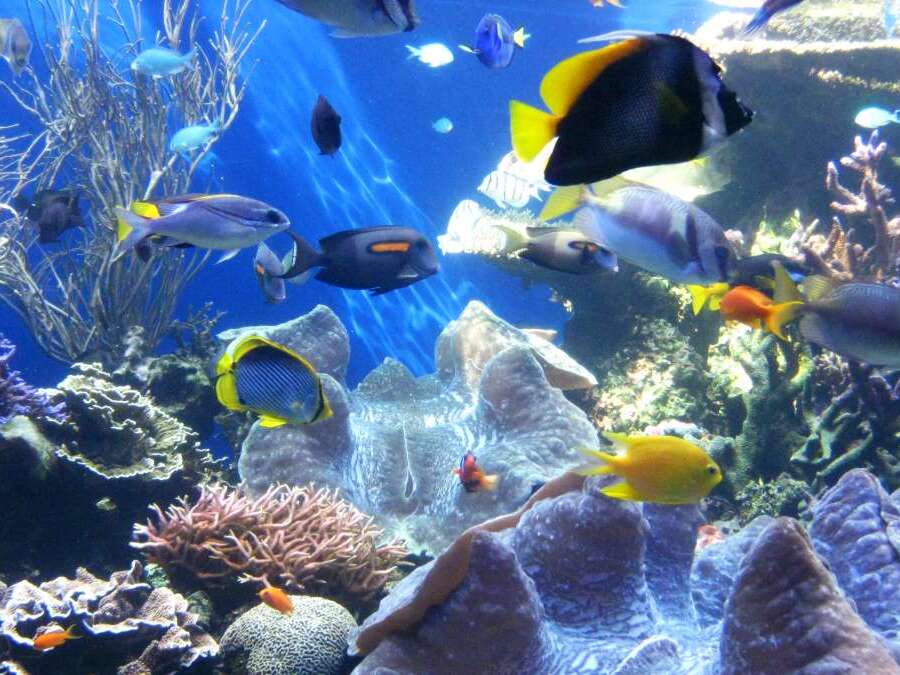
[(299, 538)]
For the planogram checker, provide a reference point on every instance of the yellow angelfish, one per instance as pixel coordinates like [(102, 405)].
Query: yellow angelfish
[(659, 469)]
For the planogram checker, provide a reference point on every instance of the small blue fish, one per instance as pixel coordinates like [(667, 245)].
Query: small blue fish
[(193, 137), (496, 41), (158, 62), (769, 9), (873, 118), (442, 126)]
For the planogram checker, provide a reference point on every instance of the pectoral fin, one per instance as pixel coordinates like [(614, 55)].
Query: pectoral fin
[(622, 490)]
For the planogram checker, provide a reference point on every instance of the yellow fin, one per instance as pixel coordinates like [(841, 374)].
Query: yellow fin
[(701, 295), (621, 442), (144, 209), (562, 86), (515, 240), (519, 37), (764, 283), (817, 287), (123, 229), (561, 201), (596, 469), (622, 490), (782, 314), (531, 129), (226, 392), (785, 288), (269, 422)]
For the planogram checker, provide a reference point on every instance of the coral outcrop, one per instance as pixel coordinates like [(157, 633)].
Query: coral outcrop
[(122, 620), (17, 397), (299, 539), (115, 454), (311, 640), (577, 582), (393, 441)]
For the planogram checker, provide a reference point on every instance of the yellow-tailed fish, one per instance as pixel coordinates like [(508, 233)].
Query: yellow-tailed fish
[(659, 469), (272, 381)]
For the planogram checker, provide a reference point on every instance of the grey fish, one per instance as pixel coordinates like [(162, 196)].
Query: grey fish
[(658, 233), (15, 45), (271, 380), (268, 270), (326, 127), (560, 249), (158, 62), (860, 321), (359, 18), (222, 222)]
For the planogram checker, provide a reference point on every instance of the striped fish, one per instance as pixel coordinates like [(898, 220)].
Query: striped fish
[(272, 381), (508, 190)]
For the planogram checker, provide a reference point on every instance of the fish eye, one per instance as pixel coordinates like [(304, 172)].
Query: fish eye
[(273, 216), (712, 470)]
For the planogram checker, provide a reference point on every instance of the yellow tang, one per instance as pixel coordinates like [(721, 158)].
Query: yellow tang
[(659, 469), (271, 380)]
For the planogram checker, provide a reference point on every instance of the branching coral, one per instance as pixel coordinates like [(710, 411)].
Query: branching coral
[(18, 398), (110, 130), (846, 253), (301, 538)]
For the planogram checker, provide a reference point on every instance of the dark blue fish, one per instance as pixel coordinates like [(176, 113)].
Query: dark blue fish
[(768, 9), (496, 41), (272, 381), (52, 212)]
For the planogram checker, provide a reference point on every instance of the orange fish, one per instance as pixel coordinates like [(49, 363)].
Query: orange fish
[(277, 599), (472, 477), (756, 309), (708, 535), (55, 638)]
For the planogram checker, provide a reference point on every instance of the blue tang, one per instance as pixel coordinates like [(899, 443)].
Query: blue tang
[(496, 41)]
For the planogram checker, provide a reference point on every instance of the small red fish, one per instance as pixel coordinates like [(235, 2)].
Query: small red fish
[(55, 638), (472, 477), (277, 599), (708, 535)]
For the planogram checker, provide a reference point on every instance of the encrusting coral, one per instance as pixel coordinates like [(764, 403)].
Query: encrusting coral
[(393, 442), (17, 397), (301, 539), (576, 582), (122, 620), (311, 640)]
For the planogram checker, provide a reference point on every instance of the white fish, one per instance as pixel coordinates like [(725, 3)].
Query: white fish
[(442, 126), (508, 190), (434, 54), (359, 18)]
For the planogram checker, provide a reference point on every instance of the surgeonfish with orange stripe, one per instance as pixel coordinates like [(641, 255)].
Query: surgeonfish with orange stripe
[(259, 375), (645, 100), (377, 259)]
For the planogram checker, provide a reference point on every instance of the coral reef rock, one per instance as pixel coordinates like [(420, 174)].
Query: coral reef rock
[(856, 530), (311, 640), (301, 539), (392, 442), (577, 582), (122, 620), (17, 397)]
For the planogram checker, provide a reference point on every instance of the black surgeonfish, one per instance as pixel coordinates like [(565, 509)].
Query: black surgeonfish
[(648, 100), (52, 212), (326, 127), (378, 259)]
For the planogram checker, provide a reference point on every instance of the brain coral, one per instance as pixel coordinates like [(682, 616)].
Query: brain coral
[(392, 442), (311, 640)]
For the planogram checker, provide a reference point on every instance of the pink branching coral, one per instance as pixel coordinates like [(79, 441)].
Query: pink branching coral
[(301, 539)]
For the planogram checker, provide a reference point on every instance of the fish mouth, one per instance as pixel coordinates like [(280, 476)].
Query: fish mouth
[(402, 13), (737, 115)]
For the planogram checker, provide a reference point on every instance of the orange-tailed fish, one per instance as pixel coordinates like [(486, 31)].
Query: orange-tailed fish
[(472, 477)]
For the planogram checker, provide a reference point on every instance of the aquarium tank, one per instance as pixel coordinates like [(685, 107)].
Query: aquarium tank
[(437, 337)]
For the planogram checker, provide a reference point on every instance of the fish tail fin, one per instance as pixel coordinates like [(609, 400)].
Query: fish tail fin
[(301, 259), (781, 315), (817, 287), (73, 632), (620, 442), (760, 19), (897, 116), (785, 290), (489, 482), (561, 201), (414, 52), (131, 231), (519, 37), (531, 129), (605, 467), (515, 240), (701, 295)]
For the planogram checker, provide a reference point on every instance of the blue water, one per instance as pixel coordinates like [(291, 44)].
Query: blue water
[(392, 168)]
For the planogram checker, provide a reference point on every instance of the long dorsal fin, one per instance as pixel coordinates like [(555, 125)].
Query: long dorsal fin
[(562, 86)]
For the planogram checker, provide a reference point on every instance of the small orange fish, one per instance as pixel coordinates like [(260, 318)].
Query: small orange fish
[(472, 477), (55, 638), (708, 535), (277, 599), (756, 309)]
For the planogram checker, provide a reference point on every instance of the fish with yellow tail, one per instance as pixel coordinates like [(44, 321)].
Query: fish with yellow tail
[(261, 376), (645, 100), (658, 469)]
